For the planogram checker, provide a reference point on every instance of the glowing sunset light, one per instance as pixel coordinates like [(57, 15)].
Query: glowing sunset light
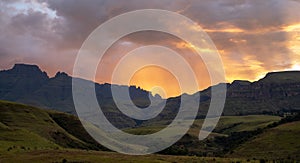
[(158, 80)]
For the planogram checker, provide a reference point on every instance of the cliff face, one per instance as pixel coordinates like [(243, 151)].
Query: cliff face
[(277, 92), (280, 84)]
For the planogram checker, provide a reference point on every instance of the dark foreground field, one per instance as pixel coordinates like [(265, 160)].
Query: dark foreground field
[(71, 155)]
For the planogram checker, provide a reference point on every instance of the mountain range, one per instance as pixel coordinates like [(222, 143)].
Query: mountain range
[(275, 94), (242, 132)]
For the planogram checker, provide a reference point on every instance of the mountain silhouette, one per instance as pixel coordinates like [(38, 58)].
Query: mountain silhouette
[(29, 85), (276, 93)]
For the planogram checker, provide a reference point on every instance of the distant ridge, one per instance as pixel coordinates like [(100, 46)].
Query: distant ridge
[(29, 85), (284, 76), (276, 93)]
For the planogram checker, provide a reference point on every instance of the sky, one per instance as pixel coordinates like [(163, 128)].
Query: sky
[(253, 37)]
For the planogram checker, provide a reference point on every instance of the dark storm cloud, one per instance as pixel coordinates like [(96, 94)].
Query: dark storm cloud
[(82, 17)]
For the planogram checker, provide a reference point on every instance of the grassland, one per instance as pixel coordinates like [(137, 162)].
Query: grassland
[(280, 142), (226, 125), (29, 134), (24, 127), (71, 155)]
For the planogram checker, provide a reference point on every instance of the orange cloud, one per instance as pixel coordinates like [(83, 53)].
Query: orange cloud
[(226, 30), (293, 44), (246, 69), (222, 27), (185, 45), (292, 28)]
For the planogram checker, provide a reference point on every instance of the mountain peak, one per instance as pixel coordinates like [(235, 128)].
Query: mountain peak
[(282, 76), (21, 68), (241, 82), (61, 74), (283, 73)]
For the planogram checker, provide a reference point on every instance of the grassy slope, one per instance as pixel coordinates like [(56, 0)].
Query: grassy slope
[(282, 141), (18, 132), (27, 128), (29, 134), (190, 144), (36, 134), (226, 125), (229, 124)]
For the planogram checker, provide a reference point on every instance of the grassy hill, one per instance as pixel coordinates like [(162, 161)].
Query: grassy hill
[(29, 134), (280, 142), (226, 125), (223, 139), (25, 128), (32, 134)]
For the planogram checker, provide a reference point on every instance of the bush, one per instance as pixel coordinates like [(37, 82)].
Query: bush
[(64, 160)]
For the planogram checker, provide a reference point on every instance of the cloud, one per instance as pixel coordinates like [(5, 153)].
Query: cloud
[(252, 36)]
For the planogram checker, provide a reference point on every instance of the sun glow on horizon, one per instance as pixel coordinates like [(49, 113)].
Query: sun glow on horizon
[(157, 80)]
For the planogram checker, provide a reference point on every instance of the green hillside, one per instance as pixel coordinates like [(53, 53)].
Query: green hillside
[(281, 142), (229, 133), (226, 125), (29, 134), (33, 134), (27, 128)]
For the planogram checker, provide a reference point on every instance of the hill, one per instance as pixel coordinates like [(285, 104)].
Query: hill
[(39, 134), (281, 142), (219, 141), (24, 127)]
